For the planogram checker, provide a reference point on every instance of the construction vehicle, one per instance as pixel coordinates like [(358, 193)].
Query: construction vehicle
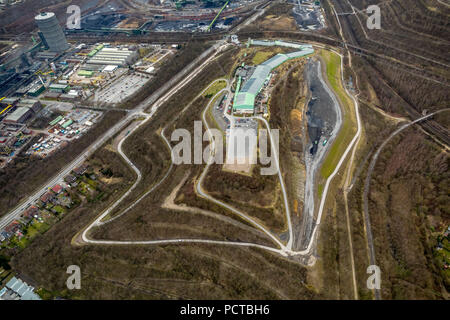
[(217, 16), (39, 72)]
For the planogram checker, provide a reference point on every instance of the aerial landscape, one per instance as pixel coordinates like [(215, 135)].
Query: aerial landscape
[(224, 150)]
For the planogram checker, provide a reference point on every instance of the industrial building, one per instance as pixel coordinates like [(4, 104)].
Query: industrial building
[(52, 33), (36, 89), (244, 101), (60, 88), (20, 115), (17, 289), (112, 56), (308, 15), (34, 105)]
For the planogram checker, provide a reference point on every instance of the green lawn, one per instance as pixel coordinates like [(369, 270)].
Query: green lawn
[(261, 56), (348, 128), (216, 87), (92, 183), (59, 209), (32, 231)]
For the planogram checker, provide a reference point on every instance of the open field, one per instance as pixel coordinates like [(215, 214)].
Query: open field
[(278, 17)]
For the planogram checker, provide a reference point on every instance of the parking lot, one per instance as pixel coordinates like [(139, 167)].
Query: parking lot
[(121, 89), (217, 112)]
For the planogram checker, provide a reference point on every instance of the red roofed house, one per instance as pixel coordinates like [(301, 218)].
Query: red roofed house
[(57, 189)]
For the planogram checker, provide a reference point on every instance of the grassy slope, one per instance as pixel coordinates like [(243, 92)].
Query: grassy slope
[(216, 87), (348, 129)]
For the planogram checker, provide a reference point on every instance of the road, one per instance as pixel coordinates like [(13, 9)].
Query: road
[(338, 166), (326, 98), (283, 250), (109, 210), (155, 100), (98, 220), (346, 188), (203, 194)]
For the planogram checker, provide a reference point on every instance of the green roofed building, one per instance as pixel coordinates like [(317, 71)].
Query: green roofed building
[(86, 73), (67, 123), (92, 53), (36, 90), (60, 88), (56, 120), (244, 101)]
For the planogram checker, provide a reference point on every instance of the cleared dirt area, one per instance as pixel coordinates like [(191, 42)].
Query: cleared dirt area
[(278, 23)]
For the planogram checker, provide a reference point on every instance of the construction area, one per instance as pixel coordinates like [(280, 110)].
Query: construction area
[(167, 16)]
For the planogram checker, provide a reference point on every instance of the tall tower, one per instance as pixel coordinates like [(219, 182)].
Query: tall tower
[(54, 36)]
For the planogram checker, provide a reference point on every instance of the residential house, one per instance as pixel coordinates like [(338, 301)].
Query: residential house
[(46, 197), (80, 170), (30, 213), (13, 227), (4, 235), (70, 179), (57, 189)]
